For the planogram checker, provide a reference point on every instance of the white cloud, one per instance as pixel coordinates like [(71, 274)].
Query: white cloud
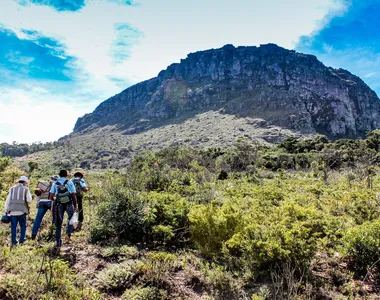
[(36, 115), (170, 30)]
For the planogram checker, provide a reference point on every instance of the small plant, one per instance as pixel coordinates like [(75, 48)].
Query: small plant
[(220, 282), (144, 293), (116, 278), (156, 266), (119, 252)]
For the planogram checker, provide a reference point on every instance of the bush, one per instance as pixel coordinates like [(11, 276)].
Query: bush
[(129, 216), (120, 214), (116, 278), (144, 293), (119, 253), (168, 216), (156, 267), (257, 232), (290, 233), (212, 225), (220, 282), (365, 206), (362, 244), (15, 287)]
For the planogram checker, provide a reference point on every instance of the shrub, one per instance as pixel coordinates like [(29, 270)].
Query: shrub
[(116, 278), (362, 244), (289, 233), (211, 226), (156, 267), (144, 293), (119, 215), (15, 287), (168, 216), (158, 179), (119, 252), (131, 216), (365, 206), (221, 282)]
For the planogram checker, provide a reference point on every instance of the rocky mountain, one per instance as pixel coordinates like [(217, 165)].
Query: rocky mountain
[(266, 85)]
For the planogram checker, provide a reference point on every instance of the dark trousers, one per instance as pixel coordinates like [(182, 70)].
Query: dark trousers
[(15, 220), (80, 208), (60, 211), (54, 212)]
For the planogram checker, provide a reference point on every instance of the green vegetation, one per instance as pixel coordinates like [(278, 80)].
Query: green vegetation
[(297, 221), (16, 150)]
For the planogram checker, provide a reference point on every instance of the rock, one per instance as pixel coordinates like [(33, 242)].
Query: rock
[(124, 152), (105, 153), (281, 87), (85, 165)]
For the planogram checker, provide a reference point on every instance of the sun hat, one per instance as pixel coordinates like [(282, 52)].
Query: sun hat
[(54, 177), (78, 174), (23, 178)]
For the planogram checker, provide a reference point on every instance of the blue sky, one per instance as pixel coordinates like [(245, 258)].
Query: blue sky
[(349, 39), (64, 57)]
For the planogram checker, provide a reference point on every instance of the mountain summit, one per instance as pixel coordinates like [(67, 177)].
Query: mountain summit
[(278, 86)]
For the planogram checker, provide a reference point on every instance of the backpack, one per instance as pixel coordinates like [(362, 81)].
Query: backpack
[(63, 194), (78, 187), (44, 188)]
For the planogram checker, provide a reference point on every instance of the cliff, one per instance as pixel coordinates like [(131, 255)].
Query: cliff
[(282, 87)]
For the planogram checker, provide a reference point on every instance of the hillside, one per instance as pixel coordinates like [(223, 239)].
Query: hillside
[(300, 220), (282, 87), (107, 147), (212, 99)]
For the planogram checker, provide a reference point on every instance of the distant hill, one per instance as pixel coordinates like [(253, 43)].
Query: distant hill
[(261, 87)]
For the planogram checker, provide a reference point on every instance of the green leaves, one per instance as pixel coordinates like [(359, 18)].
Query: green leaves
[(132, 216), (362, 244)]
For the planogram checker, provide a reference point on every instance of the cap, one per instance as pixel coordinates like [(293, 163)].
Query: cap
[(23, 178)]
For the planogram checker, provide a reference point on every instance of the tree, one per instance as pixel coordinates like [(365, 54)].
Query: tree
[(373, 140), (32, 166)]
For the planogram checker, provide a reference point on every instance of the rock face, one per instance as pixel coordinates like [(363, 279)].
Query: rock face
[(283, 87)]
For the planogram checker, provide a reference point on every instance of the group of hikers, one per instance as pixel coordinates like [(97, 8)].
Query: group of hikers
[(59, 195)]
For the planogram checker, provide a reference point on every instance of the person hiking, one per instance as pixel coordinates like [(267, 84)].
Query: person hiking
[(80, 187), (43, 202), (63, 191), (17, 206), (53, 204)]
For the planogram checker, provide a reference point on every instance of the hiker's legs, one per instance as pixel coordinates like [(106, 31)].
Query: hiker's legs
[(43, 207), (22, 221), (53, 217), (70, 212), (14, 222), (80, 208), (53, 212), (60, 208)]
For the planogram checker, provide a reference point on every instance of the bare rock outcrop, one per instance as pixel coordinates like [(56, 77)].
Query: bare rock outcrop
[(280, 86)]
